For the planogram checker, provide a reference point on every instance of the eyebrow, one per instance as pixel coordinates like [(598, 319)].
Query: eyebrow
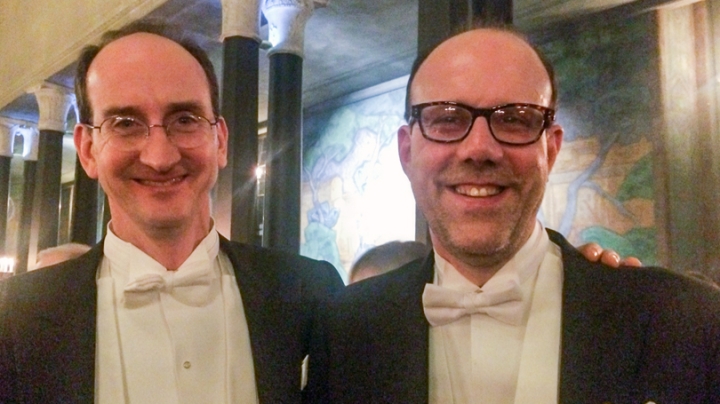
[(190, 106), (113, 111)]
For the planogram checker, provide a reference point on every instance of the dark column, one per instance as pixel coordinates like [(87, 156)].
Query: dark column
[(6, 152), (283, 144), (236, 185), (4, 193), (235, 192), (495, 11), (440, 19), (85, 210), (281, 228), (49, 169), (26, 210), (53, 105)]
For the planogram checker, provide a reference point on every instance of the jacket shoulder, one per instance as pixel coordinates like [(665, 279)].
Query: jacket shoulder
[(282, 266)]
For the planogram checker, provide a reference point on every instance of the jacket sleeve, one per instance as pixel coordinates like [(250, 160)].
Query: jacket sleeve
[(316, 389)]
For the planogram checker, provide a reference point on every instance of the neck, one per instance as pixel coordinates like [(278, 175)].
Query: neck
[(478, 265), (475, 269), (168, 246)]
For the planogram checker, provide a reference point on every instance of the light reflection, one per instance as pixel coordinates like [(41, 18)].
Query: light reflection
[(260, 172), (7, 265)]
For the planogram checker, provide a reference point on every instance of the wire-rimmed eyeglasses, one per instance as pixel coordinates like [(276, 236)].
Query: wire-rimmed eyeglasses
[(512, 124), (184, 130)]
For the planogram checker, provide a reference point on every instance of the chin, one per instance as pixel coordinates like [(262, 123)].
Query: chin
[(166, 218), (469, 241), (481, 248)]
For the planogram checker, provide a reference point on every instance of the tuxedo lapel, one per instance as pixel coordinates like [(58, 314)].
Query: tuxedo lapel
[(600, 344), (56, 343), (271, 306)]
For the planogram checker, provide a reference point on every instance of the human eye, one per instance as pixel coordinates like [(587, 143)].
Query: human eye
[(518, 118), (445, 118), (185, 122), (124, 126)]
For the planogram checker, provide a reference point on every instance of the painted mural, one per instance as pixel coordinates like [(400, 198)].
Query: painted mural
[(601, 188), (354, 192)]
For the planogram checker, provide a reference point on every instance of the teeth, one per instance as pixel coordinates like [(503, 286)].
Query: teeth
[(476, 192), (162, 183)]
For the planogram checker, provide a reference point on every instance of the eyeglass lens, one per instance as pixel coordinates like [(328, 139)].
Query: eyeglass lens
[(513, 124), (184, 130)]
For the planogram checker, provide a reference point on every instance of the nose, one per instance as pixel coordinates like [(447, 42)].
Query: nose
[(159, 152), (480, 145)]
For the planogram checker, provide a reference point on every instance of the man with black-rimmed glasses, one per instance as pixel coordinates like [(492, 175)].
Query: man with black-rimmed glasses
[(504, 310)]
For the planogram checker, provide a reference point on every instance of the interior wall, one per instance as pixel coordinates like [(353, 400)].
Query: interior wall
[(688, 50), (40, 38)]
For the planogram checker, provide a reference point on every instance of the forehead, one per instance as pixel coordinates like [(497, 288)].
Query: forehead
[(482, 68), (143, 68)]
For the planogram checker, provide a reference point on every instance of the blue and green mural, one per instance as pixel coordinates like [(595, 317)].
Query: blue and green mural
[(354, 193), (607, 73)]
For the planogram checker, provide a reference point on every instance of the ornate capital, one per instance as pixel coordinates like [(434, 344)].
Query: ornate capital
[(54, 102), (7, 137), (241, 18), (286, 21), (30, 142)]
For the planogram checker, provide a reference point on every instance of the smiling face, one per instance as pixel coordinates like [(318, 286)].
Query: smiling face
[(159, 188), (480, 197)]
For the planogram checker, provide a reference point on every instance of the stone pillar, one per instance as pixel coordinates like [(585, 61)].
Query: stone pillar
[(85, 211), (30, 155), (494, 11), (235, 197), (54, 102), (6, 152), (286, 20), (439, 19)]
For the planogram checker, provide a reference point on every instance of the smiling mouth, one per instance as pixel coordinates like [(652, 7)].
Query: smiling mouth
[(477, 191), (165, 183)]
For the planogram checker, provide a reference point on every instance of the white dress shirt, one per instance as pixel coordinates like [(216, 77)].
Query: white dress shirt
[(160, 341), (478, 359)]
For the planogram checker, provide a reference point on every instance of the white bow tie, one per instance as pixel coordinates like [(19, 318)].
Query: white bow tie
[(191, 287), (443, 306)]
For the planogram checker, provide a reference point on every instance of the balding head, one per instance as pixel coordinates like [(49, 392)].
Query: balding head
[(476, 36)]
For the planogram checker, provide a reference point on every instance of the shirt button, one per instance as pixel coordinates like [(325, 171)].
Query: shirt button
[(186, 365)]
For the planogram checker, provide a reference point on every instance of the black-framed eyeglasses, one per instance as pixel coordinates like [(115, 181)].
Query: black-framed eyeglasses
[(512, 124), (183, 129)]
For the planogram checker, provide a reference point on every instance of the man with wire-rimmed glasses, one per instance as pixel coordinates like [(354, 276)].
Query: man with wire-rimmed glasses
[(164, 310), (504, 310)]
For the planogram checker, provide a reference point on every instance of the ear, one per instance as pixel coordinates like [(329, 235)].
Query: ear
[(554, 141), (82, 137), (222, 139), (404, 149)]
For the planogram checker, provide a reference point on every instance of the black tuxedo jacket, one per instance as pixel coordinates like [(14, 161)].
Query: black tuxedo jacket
[(48, 324), (628, 336)]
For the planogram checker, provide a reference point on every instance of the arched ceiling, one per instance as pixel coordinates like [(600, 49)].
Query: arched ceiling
[(349, 45)]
